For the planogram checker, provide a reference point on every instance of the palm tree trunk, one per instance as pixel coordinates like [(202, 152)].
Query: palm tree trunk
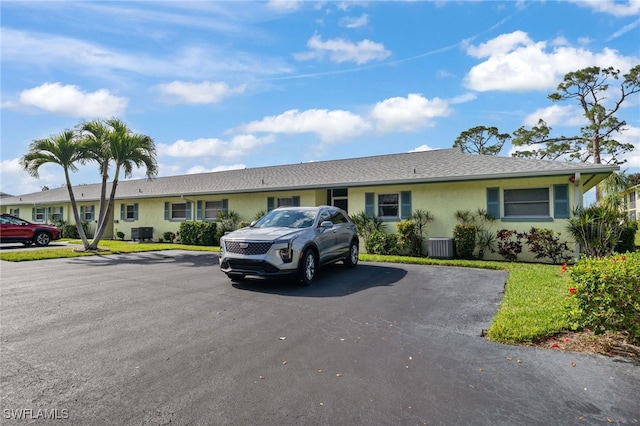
[(107, 215), (76, 215)]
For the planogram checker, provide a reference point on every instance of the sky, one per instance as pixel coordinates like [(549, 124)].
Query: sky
[(224, 85)]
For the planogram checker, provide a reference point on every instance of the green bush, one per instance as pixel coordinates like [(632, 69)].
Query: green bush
[(198, 233), (366, 225), (627, 240), (464, 238), (409, 241), (509, 244), (71, 231), (597, 229), (168, 236), (608, 294), (380, 242)]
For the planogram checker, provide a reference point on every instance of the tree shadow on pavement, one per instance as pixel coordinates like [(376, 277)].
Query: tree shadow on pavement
[(192, 258)]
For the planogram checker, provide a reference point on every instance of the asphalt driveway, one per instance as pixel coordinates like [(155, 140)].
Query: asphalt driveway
[(165, 338)]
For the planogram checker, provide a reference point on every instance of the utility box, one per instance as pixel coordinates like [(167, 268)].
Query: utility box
[(441, 248), (142, 233)]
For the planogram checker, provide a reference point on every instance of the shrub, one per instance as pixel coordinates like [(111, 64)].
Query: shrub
[(597, 229), (627, 240), (509, 244), (607, 290), (120, 235), (169, 236), (380, 242), (544, 243), (464, 238), (366, 225), (409, 241), (198, 233)]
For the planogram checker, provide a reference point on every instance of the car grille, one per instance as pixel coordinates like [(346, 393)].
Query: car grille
[(245, 265), (247, 248)]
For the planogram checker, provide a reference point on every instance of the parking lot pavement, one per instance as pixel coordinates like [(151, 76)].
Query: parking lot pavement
[(164, 337)]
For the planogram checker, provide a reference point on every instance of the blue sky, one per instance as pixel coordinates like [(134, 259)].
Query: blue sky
[(221, 85)]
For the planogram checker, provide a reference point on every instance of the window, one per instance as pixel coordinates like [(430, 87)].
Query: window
[(212, 209), (39, 214), (632, 201), (388, 205), (177, 211), (15, 212), (338, 197), (526, 202), (55, 214), (282, 202), (129, 212), (87, 213)]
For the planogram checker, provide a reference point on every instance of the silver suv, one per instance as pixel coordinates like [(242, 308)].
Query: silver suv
[(290, 241)]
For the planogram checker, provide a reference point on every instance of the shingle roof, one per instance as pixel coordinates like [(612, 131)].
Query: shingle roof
[(416, 167)]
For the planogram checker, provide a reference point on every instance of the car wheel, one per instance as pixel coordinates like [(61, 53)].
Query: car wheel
[(236, 277), (42, 239), (352, 257), (308, 267)]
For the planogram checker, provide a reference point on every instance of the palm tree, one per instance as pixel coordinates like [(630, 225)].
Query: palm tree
[(113, 142), (65, 150)]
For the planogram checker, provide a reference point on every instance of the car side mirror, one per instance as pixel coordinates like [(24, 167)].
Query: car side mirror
[(326, 224), (253, 223)]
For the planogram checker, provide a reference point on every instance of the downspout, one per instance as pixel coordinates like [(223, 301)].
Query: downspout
[(579, 202), (193, 209)]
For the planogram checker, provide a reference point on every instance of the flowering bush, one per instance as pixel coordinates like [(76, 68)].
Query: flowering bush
[(608, 294)]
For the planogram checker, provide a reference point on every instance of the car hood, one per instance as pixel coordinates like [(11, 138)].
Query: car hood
[(263, 234)]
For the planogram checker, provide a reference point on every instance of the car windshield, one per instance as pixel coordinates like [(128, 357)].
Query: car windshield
[(287, 219)]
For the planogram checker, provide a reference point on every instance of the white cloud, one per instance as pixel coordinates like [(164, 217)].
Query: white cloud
[(340, 50), (421, 148), (330, 126), (514, 62), (567, 115), (71, 101), (284, 5), (405, 114), (201, 169), (11, 171), (350, 22), (197, 93), (239, 146), (615, 8), (632, 136)]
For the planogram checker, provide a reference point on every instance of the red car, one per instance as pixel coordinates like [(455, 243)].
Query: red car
[(16, 230)]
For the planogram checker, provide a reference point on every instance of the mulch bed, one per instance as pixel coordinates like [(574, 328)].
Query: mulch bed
[(586, 341)]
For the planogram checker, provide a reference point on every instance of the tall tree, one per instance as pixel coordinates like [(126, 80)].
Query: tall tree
[(65, 150), (112, 143), (600, 102), (481, 140)]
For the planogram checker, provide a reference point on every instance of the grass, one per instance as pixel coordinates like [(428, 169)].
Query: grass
[(534, 305)]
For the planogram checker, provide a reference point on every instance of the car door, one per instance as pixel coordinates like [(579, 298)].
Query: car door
[(325, 237), (342, 233)]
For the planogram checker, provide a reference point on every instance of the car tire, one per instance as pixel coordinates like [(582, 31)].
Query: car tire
[(308, 267), (352, 256), (236, 278), (42, 239)]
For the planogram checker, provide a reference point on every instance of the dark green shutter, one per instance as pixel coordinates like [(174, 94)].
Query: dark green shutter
[(166, 210), (405, 205), (135, 211), (493, 202), (561, 201), (369, 204), (122, 207), (296, 201), (270, 203), (225, 205), (199, 210), (33, 214), (188, 210)]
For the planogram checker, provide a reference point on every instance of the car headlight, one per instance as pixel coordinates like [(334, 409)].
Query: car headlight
[(286, 253)]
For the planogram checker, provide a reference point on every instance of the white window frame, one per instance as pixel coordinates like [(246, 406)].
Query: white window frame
[(284, 202), (384, 206), (212, 209), (129, 212), (88, 213), (508, 206), (175, 211), (39, 214)]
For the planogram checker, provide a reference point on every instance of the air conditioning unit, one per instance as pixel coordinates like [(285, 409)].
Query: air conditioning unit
[(441, 248)]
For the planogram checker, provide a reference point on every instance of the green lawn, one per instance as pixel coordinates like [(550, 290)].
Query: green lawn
[(533, 307)]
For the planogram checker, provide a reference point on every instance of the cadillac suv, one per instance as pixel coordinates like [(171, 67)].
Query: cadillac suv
[(294, 241)]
